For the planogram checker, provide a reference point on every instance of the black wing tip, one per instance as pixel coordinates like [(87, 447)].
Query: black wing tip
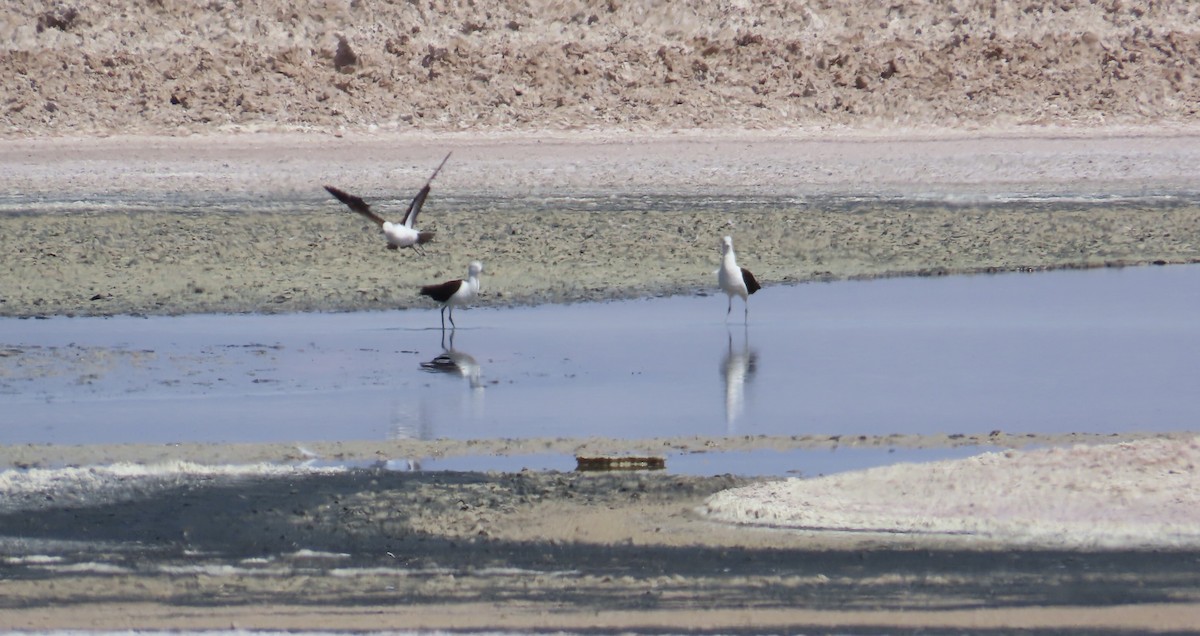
[(440, 165), (355, 203), (342, 195)]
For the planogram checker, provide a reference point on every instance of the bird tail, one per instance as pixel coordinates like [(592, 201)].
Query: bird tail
[(424, 237)]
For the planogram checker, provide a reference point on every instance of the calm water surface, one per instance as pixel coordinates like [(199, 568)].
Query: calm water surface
[(1111, 350)]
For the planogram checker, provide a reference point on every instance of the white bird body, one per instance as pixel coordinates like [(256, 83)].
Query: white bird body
[(733, 279), (401, 235), (455, 292)]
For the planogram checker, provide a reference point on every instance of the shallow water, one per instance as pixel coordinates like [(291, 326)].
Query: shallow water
[(1098, 351)]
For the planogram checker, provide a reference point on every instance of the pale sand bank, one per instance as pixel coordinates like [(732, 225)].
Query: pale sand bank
[(1133, 494)]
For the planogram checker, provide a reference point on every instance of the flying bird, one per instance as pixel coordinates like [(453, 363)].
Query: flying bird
[(734, 280), (455, 292), (398, 234)]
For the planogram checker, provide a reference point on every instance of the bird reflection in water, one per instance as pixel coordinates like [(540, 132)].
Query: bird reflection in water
[(737, 369), (407, 425), (455, 362), (429, 409)]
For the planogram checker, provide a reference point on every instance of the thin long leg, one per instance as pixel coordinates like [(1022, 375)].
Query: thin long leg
[(729, 309), (747, 312), (452, 325), (420, 250), (443, 317)]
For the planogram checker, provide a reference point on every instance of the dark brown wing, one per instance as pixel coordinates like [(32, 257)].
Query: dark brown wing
[(751, 283), (441, 292), (356, 204), (443, 363), (414, 208)]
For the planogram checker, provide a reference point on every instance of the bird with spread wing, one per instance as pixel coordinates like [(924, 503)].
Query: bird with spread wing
[(403, 234)]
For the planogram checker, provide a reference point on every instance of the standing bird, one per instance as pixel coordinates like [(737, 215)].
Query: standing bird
[(734, 280), (398, 234), (455, 292)]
